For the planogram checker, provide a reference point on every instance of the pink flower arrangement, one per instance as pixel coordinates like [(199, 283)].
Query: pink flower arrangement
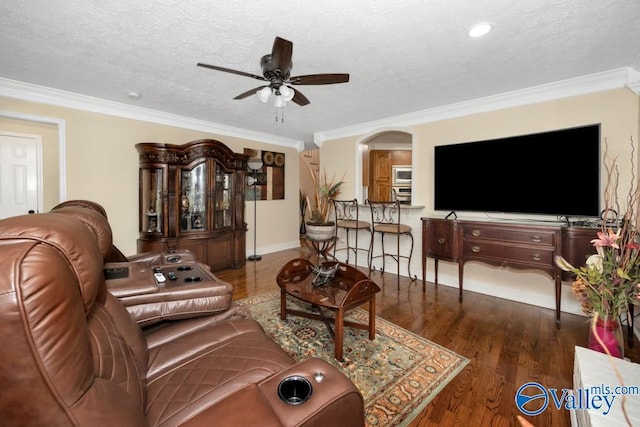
[(608, 282), (610, 279)]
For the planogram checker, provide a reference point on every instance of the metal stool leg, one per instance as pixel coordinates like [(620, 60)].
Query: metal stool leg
[(415, 277), (398, 260)]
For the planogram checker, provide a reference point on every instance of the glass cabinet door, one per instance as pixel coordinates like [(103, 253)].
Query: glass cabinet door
[(193, 198), (223, 193), (151, 200)]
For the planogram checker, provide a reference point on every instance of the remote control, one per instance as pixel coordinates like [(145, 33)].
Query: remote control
[(172, 275), (157, 272)]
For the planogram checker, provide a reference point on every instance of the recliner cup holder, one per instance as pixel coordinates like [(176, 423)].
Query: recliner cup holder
[(193, 279), (184, 268), (295, 390)]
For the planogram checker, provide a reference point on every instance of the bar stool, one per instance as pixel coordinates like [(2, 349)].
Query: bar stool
[(347, 217), (385, 217)]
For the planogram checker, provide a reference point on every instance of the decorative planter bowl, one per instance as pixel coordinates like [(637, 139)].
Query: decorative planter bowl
[(321, 232)]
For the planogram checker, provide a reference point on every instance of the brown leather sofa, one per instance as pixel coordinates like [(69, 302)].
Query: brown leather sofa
[(73, 355)]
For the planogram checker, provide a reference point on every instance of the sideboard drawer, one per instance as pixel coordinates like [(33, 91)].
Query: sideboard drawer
[(441, 239), (505, 254), (505, 234)]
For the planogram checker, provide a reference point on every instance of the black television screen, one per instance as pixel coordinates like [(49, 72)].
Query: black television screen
[(549, 173)]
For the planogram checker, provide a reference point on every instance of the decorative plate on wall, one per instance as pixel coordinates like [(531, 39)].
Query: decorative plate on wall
[(267, 158), (279, 160)]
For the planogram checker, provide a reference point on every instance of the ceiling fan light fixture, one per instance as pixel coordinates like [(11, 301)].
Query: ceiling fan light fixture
[(280, 102), (263, 94), (480, 29), (286, 92)]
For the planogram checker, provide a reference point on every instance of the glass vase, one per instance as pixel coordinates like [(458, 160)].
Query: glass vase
[(610, 333)]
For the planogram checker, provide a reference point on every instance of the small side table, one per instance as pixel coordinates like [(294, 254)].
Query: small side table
[(321, 247)]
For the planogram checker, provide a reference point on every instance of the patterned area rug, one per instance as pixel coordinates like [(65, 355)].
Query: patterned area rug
[(398, 373)]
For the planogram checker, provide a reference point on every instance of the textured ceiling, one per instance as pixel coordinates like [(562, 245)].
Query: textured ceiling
[(403, 56)]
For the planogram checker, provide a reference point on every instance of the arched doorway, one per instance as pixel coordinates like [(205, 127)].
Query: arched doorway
[(386, 160)]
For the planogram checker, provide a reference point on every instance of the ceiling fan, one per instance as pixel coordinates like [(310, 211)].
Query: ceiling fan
[(276, 70)]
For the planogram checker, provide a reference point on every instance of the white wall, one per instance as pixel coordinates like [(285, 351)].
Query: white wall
[(617, 110)]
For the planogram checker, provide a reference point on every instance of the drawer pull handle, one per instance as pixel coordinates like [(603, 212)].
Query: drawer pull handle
[(536, 257), (475, 249), (441, 240), (536, 238), (475, 233)]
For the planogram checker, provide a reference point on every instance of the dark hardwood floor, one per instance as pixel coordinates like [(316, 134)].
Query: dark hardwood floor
[(507, 343)]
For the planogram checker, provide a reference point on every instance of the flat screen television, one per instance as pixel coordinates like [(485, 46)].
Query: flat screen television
[(548, 173)]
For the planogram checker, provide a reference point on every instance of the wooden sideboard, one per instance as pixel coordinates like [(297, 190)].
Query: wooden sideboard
[(516, 245)]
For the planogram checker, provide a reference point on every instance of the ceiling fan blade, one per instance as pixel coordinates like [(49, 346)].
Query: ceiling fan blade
[(229, 70), (281, 56), (249, 92), (319, 79), (299, 98)]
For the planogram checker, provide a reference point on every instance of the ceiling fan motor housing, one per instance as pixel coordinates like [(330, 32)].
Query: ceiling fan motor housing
[(270, 73)]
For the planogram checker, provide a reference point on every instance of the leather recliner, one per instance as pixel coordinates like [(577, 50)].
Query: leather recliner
[(72, 355), (147, 301), (115, 255)]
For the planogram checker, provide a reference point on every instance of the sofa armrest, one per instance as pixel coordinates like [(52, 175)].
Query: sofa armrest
[(334, 397), (334, 401), (194, 291), (125, 279)]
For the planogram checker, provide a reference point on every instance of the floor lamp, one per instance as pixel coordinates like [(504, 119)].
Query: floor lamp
[(254, 165)]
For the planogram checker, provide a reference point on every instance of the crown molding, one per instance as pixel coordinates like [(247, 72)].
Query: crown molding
[(45, 95), (607, 80), (633, 80)]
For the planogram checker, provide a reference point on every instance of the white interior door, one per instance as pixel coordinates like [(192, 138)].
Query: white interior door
[(20, 172)]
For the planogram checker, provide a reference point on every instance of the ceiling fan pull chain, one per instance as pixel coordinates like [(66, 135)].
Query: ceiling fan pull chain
[(280, 114)]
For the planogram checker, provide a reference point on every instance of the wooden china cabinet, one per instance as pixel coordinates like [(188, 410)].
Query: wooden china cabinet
[(192, 197)]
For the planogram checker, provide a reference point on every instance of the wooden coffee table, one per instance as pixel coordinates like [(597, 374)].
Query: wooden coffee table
[(348, 289)]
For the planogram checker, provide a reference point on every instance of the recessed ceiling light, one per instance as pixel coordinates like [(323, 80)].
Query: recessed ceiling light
[(132, 94), (480, 29)]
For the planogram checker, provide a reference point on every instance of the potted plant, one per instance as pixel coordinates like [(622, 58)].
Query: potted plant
[(319, 225), (609, 280)]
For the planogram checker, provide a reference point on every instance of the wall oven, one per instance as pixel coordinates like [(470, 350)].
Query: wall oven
[(402, 194), (401, 175)]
